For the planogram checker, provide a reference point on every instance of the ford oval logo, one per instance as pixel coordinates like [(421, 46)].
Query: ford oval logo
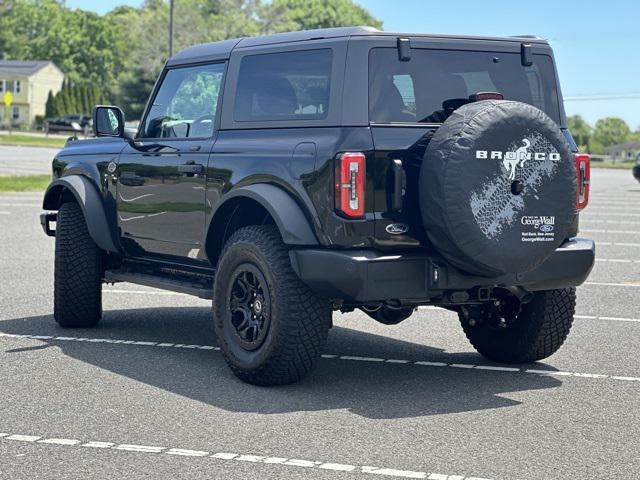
[(546, 228), (397, 228)]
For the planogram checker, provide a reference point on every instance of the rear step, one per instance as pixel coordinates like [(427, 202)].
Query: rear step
[(202, 288)]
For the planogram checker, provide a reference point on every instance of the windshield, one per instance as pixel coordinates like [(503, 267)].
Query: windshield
[(433, 83)]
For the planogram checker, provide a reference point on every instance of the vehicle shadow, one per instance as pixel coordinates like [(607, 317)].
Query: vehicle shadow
[(370, 389)]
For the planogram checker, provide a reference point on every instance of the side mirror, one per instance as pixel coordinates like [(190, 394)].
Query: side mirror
[(108, 121)]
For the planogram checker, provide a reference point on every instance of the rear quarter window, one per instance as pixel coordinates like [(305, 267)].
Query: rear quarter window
[(284, 86), (434, 82)]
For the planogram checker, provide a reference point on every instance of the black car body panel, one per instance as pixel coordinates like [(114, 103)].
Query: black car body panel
[(171, 200), (362, 276)]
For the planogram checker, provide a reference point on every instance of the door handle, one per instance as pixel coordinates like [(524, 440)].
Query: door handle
[(195, 148), (399, 184), (192, 168)]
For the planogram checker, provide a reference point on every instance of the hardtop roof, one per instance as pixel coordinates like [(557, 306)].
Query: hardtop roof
[(222, 49)]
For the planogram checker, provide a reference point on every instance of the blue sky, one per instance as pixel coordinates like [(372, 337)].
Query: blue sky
[(597, 44)]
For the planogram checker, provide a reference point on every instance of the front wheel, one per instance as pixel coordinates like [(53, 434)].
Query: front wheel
[(270, 326), (78, 271), (536, 332)]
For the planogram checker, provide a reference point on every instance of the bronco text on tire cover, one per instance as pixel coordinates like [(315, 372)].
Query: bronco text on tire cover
[(497, 188)]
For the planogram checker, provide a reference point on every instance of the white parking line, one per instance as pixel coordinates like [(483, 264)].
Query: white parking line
[(617, 260), (23, 438), (605, 284), (139, 448), (144, 292), (5, 213), (605, 214), (617, 244), (627, 222), (599, 230), (34, 205), (607, 319), (237, 457), (347, 358)]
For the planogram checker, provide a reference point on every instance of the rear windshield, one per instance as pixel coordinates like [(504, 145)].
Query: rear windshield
[(433, 83)]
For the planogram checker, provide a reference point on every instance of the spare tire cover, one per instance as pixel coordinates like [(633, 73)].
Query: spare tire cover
[(474, 166)]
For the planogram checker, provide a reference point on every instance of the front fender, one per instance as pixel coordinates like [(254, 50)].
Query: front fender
[(91, 203), (287, 214)]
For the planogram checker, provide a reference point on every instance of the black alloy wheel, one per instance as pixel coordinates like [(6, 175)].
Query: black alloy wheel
[(250, 306)]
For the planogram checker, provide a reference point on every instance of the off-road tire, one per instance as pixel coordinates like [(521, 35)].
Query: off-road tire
[(78, 271), (538, 331), (299, 320)]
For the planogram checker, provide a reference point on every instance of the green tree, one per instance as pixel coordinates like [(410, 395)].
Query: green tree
[(49, 109), (62, 101), (610, 131), (117, 57), (86, 46), (310, 14), (86, 100), (581, 131)]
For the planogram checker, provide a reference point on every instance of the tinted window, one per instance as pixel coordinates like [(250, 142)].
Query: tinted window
[(284, 86), (435, 82), (185, 106)]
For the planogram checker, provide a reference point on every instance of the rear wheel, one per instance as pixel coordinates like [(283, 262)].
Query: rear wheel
[(78, 271), (536, 332), (270, 326)]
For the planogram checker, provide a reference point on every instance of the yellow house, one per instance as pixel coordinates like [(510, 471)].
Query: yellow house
[(30, 83)]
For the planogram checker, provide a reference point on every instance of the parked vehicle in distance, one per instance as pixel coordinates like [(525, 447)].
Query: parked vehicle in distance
[(289, 176), (636, 168), (69, 123)]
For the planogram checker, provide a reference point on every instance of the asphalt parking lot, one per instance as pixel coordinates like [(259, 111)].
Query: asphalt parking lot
[(147, 393), (16, 160)]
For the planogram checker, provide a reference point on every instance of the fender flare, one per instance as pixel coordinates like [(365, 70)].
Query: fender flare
[(287, 214), (91, 203)]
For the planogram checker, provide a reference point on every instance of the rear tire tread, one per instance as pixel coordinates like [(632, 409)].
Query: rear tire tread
[(540, 330), (304, 318)]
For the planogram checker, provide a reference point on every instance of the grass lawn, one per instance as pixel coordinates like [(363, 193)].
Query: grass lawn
[(27, 183), (32, 141)]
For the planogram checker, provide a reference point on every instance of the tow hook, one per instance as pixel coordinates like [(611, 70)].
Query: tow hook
[(45, 220), (471, 321)]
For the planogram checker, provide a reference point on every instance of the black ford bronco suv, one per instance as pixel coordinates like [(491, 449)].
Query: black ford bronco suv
[(288, 176)]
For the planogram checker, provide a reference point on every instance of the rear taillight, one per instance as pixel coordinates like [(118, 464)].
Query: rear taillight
[(583, 173), (350, 179)]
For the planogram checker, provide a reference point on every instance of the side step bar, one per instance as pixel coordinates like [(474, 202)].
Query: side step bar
[(202, 290)]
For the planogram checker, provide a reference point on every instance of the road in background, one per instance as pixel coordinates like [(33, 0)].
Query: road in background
[(26, 160), (147, 394)]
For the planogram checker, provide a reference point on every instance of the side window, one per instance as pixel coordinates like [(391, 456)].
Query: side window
[(185, 105), (284, 86)]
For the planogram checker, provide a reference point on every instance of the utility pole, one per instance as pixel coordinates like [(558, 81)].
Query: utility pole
[(170, 28)]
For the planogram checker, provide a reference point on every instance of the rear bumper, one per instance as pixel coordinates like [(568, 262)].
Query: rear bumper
[(363, 276)]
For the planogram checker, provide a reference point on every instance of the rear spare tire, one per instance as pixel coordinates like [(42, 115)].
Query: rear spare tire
[(497, 188)]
